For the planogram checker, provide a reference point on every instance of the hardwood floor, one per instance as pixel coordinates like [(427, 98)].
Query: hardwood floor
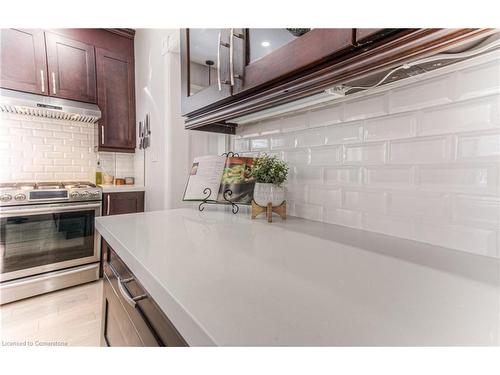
[(69, 317)]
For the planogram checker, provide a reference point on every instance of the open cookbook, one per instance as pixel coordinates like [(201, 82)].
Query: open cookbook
[(220, 174)]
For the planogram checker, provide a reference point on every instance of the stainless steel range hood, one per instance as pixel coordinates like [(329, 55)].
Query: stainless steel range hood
[(44, 106)]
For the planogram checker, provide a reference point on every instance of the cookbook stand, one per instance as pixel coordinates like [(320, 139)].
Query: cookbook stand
[(227, 193)]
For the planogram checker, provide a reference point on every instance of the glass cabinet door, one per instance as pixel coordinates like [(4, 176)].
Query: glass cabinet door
[(270, 55), (205, 74), (262, 42)]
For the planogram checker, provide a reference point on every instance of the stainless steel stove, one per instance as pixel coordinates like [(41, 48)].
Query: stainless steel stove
[(14, 194), (47, 237)]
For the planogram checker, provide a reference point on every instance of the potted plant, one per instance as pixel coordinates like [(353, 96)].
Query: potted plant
[(270, 173)]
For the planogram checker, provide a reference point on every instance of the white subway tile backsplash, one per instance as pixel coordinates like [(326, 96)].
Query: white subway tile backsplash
[(55, 141), (311, 137), (296, 157), (435, 206), (456, 177), (419, 159), (259, 144), (365, 107), (392, 127), (309, 175), (342, 216), (45, 149), (367, 154), (326, 115), (485, 145), (340, 134), (371, 201), (482, 211), (62, 135), (343, 176), (390, 225), (421, 94), (420, 150), (282, 141), (474, 115), (478, 80), (327, 156), (241, 145), (327, 196), (294, 122), (297, 193), (309, 211), (388, 176)]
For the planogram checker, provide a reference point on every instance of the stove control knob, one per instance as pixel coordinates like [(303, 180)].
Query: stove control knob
[(85, 194), (20, 197), (5, 197), (95, 194), (74, 195)]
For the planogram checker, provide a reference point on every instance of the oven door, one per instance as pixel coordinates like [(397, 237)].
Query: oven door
[(47, 237)]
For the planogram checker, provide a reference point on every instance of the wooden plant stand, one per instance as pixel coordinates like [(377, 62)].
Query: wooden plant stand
[(269, 209)]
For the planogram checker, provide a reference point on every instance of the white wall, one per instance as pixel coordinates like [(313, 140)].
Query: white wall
[(158, 87), (418, 160)]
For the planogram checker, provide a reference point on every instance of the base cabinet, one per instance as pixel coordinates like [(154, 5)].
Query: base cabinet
[(130, 316), (123, 203)]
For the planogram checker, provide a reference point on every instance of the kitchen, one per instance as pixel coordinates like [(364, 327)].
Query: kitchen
[(250, 187)]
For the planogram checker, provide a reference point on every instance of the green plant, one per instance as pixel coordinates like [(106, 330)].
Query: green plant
[(269, 169)]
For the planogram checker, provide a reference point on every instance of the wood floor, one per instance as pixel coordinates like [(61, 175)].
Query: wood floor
[(69, 317)]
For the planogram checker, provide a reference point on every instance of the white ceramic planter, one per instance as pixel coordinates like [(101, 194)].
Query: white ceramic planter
[(264, 193)]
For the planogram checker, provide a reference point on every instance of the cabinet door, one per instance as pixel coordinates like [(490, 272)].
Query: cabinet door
[(123, 203), (116, 99), (71, 68), (263, 56), (23, 65), (204, 68)]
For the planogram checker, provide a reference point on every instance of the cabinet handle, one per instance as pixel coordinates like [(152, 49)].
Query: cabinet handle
[(108, 204), (54, 83), (231, 56), (42, 77), (132, 301), (221, 43), (102, 134), (218, 62), (125, 294)]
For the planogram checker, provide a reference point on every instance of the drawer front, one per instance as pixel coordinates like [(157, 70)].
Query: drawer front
[(124, 292), (146, 315), (118, 328)]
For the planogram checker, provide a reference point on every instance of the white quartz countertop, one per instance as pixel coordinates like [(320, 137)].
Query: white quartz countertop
[(121, 188), (227, 280)]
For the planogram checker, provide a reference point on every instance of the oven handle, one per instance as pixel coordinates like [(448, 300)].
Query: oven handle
[(47, 210)]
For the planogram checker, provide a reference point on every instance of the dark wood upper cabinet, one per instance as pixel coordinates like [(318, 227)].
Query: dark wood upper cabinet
[(116, 99), (219, 63), (23, 64), (263, 56), (71, 67), (123, 203), (204, 67)]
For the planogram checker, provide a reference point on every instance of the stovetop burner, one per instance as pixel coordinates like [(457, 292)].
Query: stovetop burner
[(46, 192)]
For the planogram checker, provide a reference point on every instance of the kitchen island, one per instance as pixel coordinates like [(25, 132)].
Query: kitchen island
[(227, 280)]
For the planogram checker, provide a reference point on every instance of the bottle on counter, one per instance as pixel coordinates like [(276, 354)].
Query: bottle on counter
[(98, 173)]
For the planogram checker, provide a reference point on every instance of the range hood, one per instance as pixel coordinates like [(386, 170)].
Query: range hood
[(45, 106)]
